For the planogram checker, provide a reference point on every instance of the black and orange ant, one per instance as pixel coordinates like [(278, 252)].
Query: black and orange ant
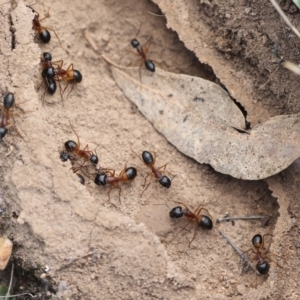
[(53, 71), (42, 31), (143, 51), (262, 265), (73, 147), (69, 76), (107, 176), (8, 104), (149, 161), (199, 220)]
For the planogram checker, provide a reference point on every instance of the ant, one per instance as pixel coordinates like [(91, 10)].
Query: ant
[(41, 31), (203, 221), (149, 161), (69, 76), (262, 265), (64, 156), (51, 74), (8, 103), (107, 176), (74, 147), (142, 51)]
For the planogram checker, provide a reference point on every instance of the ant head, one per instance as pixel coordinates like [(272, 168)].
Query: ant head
[(47, 56), (150, 66), (165, 181), (135, 43), (206, 223), (81, 179), (70, 145), (9, 100), (77, 76), (94, 159), (263, 268), (176, 212), (100, 179), (3, 132), (257, 241), (147, 157), (131, 173), (64, 156), (45, 36)]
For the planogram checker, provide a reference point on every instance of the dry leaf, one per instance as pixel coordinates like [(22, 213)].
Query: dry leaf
[(199, 118)]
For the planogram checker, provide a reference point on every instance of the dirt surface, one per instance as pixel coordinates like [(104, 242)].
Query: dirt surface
[(131, 249)]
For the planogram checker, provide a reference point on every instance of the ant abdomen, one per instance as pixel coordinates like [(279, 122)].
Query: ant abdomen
[(45, 36), (257, 241), (3, 132), (51, 86), (9, 101), (77, 76), (131, 173), (150, 66), (100, 179), (263, 268), (147, 157), (176, 212), (206, 223), (165, 181)]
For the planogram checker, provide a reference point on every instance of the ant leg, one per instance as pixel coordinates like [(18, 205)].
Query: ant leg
[(268, 257), (78, 141), (47, 15), (61, 94), (71, 88), (202, 208), (162, 168), (195, 231), (146, 46), (55, 35), (120, 189), (109, 193), (183, 205), (198, 209), (15, 128), (150, 174), (136, 155), (58, 63)]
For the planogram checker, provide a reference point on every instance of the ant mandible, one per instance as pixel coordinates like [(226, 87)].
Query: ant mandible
[(42, 31), (203, 221), (262, 265), (107, 176), (149, 161)]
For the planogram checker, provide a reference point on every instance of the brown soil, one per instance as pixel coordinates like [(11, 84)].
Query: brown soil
[(130, 250)]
